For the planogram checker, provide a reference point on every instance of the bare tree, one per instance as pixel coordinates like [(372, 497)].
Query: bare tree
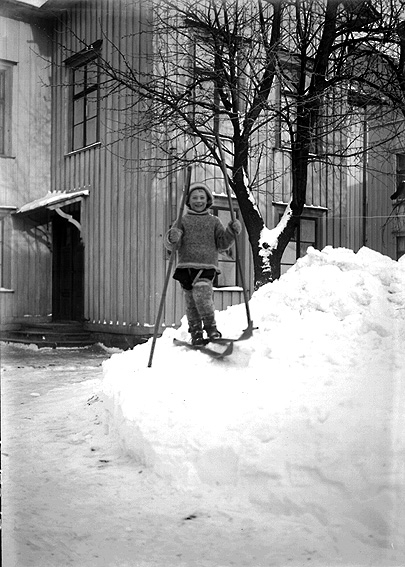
[(214, 69)]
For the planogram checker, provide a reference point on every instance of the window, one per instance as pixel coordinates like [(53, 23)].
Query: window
[(400, 246), (227, 260), (205, 98), (6, 84), (288, 88), (5, 259), (308, 233), (400, 178), (84, 111), (305, 236), (2, 282), (287, 105), (211, 67)]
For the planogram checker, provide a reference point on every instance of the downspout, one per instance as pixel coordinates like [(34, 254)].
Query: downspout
[(364, 181)]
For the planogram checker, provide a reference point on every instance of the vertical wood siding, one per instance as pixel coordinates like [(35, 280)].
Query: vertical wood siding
[(124, 218), (380, 184), (25, 175)]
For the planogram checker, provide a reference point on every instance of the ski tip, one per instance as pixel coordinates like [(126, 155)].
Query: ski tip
[(248, 332)]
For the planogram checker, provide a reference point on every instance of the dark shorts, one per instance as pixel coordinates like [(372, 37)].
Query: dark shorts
[(187, 276)]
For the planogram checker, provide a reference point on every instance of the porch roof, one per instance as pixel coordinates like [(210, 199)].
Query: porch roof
[(53, 200)]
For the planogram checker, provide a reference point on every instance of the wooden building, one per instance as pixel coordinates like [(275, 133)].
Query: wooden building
[(84, 219)]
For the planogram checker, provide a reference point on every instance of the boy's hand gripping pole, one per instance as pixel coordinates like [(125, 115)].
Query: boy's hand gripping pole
[(169, 268)]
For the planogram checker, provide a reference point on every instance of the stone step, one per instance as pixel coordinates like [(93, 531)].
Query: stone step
[(53, 334), (43, 334), (50, 343)]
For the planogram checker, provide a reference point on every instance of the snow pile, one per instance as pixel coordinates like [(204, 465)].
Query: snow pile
[(304, 421)]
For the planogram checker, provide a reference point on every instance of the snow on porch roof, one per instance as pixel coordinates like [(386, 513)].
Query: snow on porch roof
[(53, 200)]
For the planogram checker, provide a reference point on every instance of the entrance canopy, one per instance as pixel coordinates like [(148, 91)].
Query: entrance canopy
[(52, 201)]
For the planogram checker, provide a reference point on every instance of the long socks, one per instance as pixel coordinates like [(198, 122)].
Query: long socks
[(200, 310)]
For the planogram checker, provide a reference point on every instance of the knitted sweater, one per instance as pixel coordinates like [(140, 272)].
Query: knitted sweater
[(203, 235)]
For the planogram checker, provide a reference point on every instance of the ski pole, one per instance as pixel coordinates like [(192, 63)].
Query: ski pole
[(247, 333), (169, 268)]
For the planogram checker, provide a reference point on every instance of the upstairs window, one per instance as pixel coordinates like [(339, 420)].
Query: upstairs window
[(6, 90), (288, 86), (207, 113), (84, 108), (288, 78), (214, 72)]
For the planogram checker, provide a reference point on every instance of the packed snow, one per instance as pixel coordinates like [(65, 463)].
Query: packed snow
[(302, 428)]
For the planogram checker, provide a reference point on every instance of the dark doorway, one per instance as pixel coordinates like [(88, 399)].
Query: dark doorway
[(67, 268)]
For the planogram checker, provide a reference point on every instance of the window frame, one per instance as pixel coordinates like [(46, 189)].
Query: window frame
[(5, 252), (221, 203), (400, 245), (316, 214), (218, 124), (400, 177), (6, 108), (79, 62), (288, 66), (203, 78)]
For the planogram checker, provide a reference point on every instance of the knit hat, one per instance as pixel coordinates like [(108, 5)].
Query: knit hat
[(193, 187)]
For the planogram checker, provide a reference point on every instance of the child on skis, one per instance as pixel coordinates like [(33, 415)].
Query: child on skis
[(199, 238)]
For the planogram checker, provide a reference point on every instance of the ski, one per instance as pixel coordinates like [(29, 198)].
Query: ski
[(225, 347), (247, 334)]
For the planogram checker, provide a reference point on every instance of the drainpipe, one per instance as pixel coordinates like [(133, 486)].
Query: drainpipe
[(364, 184)]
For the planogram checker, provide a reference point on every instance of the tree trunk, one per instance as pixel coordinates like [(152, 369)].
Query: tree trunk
[(252, 218), (254, 224)]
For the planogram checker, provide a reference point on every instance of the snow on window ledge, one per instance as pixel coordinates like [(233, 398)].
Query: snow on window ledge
[(6, 290), (229, 288)]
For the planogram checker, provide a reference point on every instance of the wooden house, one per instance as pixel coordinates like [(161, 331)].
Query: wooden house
[(83, 219)]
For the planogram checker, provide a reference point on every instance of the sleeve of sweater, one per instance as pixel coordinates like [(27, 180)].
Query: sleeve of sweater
[(223, 236), (173, 237)]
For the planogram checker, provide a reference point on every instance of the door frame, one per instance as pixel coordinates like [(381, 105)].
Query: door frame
[(67, 264)]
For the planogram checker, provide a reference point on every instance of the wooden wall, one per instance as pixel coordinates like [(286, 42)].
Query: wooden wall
[(380, 184), (25, 174), (124, 218)]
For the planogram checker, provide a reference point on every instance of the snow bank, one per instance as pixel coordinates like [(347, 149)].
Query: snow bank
[(304, 421)]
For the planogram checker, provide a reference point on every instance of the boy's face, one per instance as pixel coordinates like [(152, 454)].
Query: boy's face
[(198, 200)]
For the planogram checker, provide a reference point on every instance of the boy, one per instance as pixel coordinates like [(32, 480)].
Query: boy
[(199, 238)]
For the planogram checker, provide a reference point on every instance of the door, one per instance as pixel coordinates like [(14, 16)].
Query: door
[(67, 268)]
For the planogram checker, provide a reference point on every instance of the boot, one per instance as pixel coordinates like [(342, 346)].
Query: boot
[(212, 332), (194, 320), (196, 333)]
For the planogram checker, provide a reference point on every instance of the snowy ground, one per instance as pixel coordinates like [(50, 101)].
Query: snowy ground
[(290, 453), (69, 498), (301, 430)]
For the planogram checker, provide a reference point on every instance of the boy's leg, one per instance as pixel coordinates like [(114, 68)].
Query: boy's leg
[(193, 318), (204, 302)]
